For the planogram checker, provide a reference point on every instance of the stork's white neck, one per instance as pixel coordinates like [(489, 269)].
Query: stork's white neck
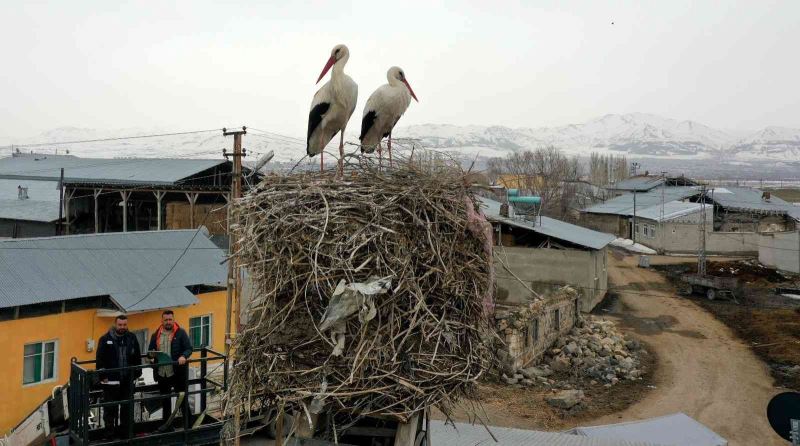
[(338, 67)]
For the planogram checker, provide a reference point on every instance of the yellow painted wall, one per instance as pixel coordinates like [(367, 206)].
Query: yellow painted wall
[(72, 330)]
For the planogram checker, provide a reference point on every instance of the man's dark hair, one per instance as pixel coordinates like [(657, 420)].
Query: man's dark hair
[(166, 312), (121, 317)]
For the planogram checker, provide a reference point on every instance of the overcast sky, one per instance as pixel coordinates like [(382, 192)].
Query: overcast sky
[(198, 65)]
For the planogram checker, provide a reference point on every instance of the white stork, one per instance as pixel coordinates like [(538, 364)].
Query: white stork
[(332, 106), (384, 108)]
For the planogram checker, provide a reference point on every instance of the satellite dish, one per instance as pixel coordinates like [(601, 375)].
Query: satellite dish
[(781, 409)]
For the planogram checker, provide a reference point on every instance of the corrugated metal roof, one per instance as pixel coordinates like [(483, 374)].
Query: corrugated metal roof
[(749, 199), (103, 170), (41, 205), (639, 184), (468, 434), (623, 205), (677, 429), (125, 266), (550, 227), (672, 210), (735, 198)]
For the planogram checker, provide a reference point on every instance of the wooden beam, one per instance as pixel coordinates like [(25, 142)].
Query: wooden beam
[(125, 195), (96, 193), (192, 197), (159, 196), (67, 198)]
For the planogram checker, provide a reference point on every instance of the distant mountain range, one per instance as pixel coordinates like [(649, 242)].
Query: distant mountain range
[(633, 134), (637, 135)]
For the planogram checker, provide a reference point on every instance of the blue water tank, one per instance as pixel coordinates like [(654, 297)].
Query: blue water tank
[(525, 200)]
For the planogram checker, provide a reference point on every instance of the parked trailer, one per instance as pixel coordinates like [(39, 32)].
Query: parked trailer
[(710, 286)]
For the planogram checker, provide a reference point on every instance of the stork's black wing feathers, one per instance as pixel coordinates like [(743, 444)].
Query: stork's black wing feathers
[(315, 118), (367, 123)]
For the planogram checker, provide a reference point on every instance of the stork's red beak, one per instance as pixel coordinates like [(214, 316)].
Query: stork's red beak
[(410, 90), (328, 66)]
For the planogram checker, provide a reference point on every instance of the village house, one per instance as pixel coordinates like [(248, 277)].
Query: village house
[(60, 294), (546, 272), (670, 219), (112, 195), (645, 183)]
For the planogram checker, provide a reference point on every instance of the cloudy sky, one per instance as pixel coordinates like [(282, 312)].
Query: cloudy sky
[(198, 65)]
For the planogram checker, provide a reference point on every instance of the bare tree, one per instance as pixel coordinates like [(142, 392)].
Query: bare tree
[(545, 172)]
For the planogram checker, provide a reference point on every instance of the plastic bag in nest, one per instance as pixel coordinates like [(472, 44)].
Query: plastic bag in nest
[(347, 300)]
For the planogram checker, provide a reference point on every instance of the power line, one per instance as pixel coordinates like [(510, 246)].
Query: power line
[(56, 143)]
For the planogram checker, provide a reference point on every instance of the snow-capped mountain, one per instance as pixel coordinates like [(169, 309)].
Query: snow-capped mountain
[(634, 134), (637, 135)]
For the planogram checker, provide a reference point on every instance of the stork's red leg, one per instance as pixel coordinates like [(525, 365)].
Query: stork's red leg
[(321, 164), (390, 150), (341, 154)]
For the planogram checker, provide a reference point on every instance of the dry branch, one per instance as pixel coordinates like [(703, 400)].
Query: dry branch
[(301, 234)]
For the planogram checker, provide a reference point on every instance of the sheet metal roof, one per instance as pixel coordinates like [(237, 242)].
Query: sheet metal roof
[(124, 266), (677, 429), (639, 184), (103, 170), (672, 210), (550, 227), (623, 205), (469, 434), (749, 199), (41, 205)]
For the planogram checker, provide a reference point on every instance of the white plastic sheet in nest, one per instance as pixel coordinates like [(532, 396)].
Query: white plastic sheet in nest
[(347, 300)]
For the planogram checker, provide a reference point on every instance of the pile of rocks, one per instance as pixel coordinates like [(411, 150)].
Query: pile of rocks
[(594, 349)]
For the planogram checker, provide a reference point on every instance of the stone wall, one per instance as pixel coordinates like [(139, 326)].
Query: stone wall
[(541, 269), (609, 223), (529, 329), (780, 250)]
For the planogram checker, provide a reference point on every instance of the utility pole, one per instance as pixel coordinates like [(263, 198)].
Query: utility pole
[(233, 285), (633, 226), (60, 227), (661, 220), (701, 255)]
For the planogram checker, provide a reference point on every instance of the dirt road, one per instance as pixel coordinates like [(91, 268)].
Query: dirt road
[(704, 370)]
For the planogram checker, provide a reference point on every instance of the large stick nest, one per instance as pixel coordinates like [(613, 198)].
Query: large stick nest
[(301, 234)]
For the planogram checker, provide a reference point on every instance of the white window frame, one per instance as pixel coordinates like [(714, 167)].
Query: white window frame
[(143, 348), (210, 329), (55, 362)]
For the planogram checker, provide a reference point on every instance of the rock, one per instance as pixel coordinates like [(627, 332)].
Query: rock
[(535, 372), (527, 382), (633, 345), (560, 364), (511, 381), (519, 376), (627, 363), (565, 399), (571, 349)]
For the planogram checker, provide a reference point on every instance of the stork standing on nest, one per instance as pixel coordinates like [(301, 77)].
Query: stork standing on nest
[(384, 108), (332, 106)]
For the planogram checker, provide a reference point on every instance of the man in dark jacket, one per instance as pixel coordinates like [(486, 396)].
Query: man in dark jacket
[(171, 339), (116, 349)]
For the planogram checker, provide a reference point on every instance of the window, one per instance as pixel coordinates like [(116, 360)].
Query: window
[(557, 318), (200, 331), (142, 339), (39, 362), (527, 337), (535, 330)]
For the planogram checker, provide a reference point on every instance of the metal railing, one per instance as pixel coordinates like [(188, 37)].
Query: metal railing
[(86, 399)]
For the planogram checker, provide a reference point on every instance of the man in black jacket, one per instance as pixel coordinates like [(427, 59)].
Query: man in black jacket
[(171, 339), (116, 349)]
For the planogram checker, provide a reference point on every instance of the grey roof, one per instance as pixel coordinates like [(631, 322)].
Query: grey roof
[(677, 429), (640, 184), (550, 227), (124, 266), (749, 199), (672, 210), (623, 205), (468, 434), (41, 205), (160, 171)]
